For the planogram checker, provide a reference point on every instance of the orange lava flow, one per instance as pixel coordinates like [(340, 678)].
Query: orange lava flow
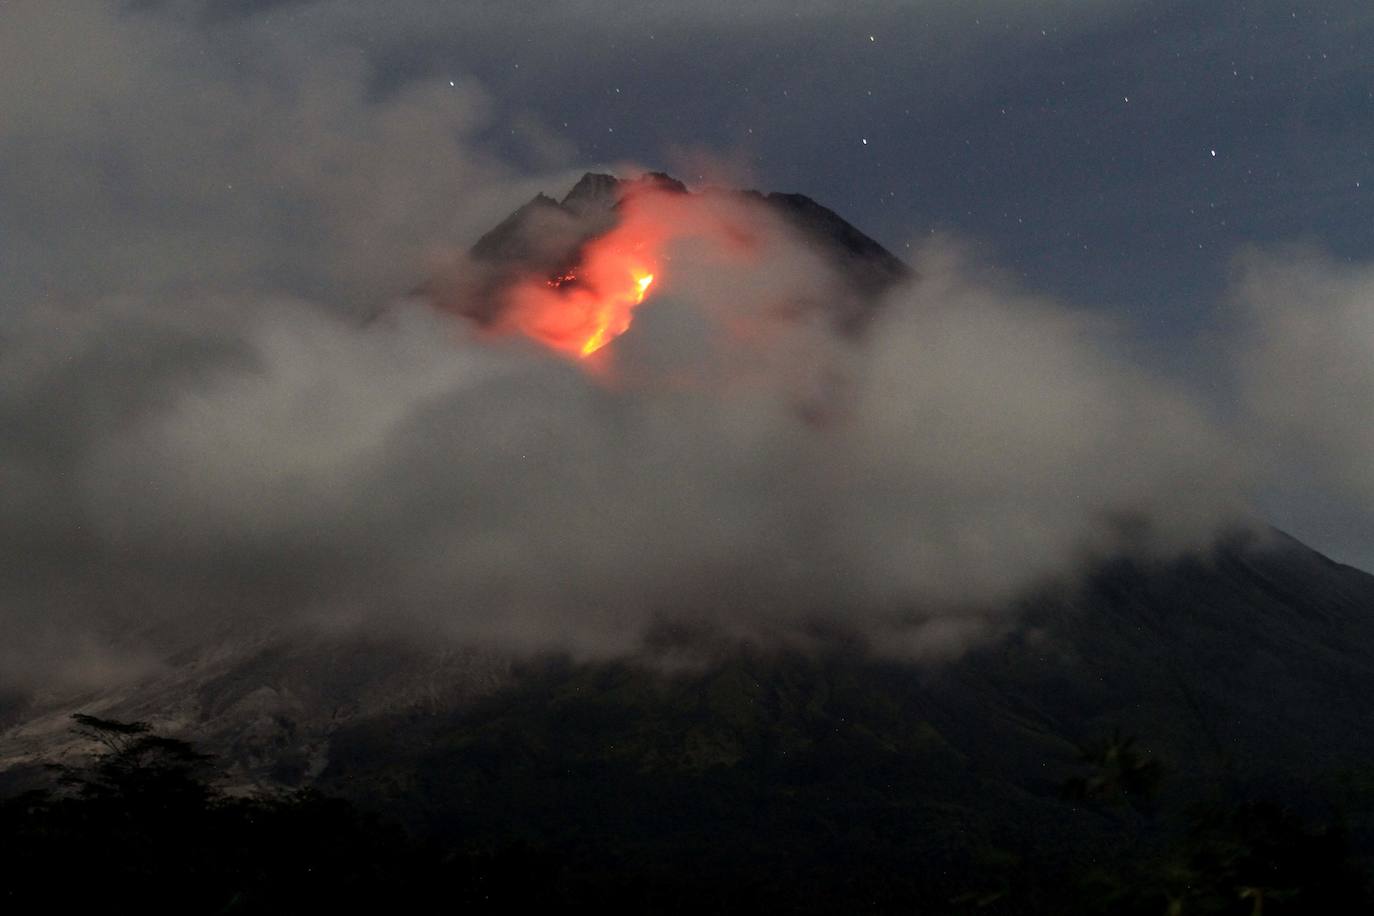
[(613, 314), (582, 310)]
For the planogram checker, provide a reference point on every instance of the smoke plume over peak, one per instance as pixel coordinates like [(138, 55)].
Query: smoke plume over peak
[(736, 460), (200, 433)]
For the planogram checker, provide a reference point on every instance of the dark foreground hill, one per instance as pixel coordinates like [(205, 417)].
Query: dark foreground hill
[(1242, 678), (1185, 738), (1190, 735)]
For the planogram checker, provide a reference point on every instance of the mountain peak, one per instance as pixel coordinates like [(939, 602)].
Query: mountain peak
[(546, 236), (510, 239), (597, 191), (593, 190)]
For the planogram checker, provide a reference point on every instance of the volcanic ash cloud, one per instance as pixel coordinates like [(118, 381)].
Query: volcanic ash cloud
[(423, 471)]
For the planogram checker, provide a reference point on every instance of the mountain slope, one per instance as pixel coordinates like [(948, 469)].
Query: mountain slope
[(1243, 675), (545, 236)]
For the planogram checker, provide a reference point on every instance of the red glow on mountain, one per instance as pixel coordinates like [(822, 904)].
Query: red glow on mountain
[(589, 305)]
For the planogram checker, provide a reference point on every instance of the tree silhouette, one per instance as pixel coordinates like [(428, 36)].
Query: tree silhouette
[(113, 734), (139, 768), (142, 828), (1117, 771)]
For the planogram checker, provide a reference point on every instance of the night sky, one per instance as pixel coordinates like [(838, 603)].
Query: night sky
[(1115, 155), (1158, 211)]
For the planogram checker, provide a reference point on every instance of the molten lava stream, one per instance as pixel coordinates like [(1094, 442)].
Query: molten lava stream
[(583, 310), (612, 320)]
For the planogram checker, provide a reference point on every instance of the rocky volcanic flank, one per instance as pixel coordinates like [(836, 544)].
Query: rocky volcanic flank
[(267, 698), (545, 237), (1256, 658)]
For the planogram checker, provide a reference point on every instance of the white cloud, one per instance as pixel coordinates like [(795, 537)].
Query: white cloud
[(187, 444), (302, 466), (142, 153), (1305, 358)]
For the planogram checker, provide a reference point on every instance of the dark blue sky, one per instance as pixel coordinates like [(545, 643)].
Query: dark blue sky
[(1115, 153), (1117, 163)]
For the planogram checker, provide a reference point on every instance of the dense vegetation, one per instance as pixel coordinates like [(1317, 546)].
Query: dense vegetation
[(142, 829), (603, 788), (820, 785)]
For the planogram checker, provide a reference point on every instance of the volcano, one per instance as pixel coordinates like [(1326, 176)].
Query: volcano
[(523, 241), (593, 261), (1039, 770)]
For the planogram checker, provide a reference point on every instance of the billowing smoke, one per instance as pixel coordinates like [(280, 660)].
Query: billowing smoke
[(201, 433), (1305, 357), (144, 154), (733, 460)]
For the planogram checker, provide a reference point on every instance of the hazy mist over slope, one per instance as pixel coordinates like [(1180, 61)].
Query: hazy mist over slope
[(200, 427)]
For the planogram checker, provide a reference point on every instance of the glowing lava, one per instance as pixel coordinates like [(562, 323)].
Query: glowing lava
[(612, 319), (585, 308)]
